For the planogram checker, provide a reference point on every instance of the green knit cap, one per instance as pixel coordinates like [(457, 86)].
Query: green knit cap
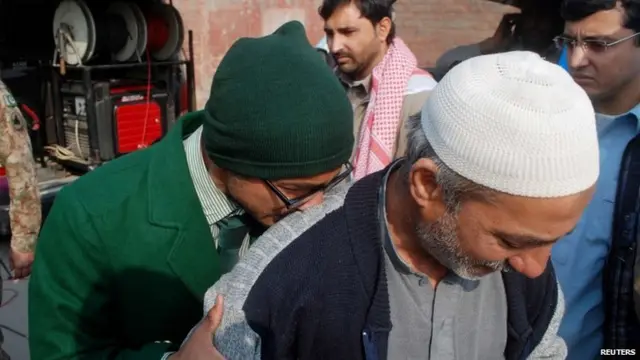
[(276, 110)]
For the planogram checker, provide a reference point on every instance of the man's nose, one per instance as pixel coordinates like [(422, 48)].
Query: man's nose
[(531, 263), (335, 44), (576, 57)]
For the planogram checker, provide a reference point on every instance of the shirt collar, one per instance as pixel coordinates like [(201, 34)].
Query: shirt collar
[(634, 113), (389, 247), (346, 81), (215, 204)]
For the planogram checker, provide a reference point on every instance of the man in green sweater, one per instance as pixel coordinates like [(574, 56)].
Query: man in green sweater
[(128, 250)]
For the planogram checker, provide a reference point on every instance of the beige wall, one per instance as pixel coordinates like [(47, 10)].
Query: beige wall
[(429, 27)]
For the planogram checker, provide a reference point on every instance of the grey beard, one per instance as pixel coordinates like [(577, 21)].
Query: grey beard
[(440, 240)]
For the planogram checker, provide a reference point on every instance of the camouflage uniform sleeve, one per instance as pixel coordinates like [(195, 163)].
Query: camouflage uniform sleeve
[(17, 159)]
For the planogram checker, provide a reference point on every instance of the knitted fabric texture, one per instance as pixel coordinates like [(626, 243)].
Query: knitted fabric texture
[(516, 124), (276, 111), (377, 136)]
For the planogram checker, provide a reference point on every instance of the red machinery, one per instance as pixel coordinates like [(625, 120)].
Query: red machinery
[(128, 118), (100, 116), (138, 119)]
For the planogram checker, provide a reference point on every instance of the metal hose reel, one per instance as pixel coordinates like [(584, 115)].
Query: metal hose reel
[(118, 30), (74, 32)]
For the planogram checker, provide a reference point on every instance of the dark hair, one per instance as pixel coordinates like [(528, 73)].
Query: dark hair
[(372, 10), (547, 11), (541, 6), (576, 10)]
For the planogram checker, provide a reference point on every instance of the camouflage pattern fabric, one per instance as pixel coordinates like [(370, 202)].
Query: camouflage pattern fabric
[(17, 159)]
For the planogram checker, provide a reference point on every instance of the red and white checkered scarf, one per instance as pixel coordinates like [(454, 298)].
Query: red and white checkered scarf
[(379, 129)]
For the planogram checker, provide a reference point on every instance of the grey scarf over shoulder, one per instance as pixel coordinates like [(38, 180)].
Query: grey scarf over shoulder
[(234, 338)]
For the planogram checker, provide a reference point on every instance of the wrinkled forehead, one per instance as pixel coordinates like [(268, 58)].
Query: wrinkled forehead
[(601, 24)]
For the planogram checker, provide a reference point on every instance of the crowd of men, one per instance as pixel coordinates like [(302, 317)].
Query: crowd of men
[(350, 206)]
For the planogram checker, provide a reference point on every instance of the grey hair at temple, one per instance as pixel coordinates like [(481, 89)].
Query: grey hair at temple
[(456, 188)]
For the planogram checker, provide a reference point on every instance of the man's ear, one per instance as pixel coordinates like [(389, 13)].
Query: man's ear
[(425, 190), (219, 176), (384, 28)]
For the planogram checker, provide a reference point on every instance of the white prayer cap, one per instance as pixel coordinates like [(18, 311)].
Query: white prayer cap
[(515, 123)]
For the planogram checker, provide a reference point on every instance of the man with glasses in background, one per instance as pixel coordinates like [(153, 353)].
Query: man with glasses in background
[(128, 251), (595, 264)]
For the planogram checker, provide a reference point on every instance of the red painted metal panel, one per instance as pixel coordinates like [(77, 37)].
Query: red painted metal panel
[(137, 126)]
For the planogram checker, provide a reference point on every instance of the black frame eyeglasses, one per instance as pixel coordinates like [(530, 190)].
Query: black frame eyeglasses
[(589, 45), (295, 203)]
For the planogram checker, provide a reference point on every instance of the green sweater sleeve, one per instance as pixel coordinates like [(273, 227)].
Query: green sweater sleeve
[(69, 292)]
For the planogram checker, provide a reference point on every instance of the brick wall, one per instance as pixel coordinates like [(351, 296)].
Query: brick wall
[(429, 27), (216, 24)]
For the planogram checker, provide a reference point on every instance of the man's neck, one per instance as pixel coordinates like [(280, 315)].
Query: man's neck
[(401, 225), (622, 102), (215, 172)]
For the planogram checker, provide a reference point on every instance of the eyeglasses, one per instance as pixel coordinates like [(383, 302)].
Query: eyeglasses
[(295, 203), (590, 45)]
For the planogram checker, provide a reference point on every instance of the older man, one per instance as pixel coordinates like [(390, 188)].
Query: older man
[(129, 250), (443, 255)]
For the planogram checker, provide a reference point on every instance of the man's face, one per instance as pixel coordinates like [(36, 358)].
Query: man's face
[(353, 40), (270, 201), (503, 233), (600, 70)]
